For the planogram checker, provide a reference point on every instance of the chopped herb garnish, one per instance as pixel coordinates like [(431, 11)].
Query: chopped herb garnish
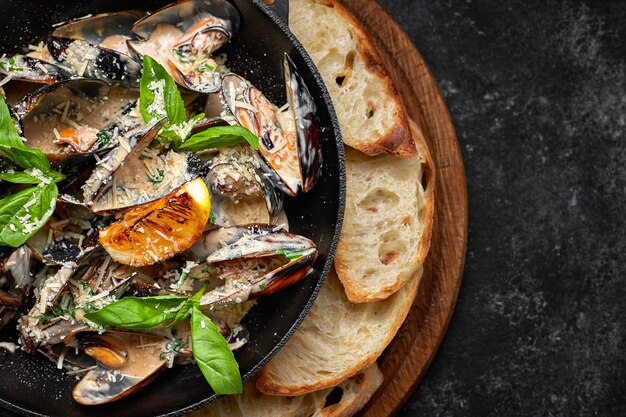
[(291, 255), (103, 138), (181, 56), (203, 67), (157, 178), (12, 66), (211, 218), (262, 287), (181, 280)]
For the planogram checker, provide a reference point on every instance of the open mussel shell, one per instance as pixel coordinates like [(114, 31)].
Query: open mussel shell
[(16, 283), (103, 385), (260, 259), (183, 35), (277, 144), (26, 68), (304, 114), (68, 118), (85, 60), (107, 30), (69, 235), (100, 181), (240, 192), (191, 14), (104, 276), (147, 173)]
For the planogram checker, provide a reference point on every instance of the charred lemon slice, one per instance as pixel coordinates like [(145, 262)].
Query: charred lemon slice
[(158, 230)]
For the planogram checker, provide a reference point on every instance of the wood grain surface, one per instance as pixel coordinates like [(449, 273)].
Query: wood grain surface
[(406, 360)]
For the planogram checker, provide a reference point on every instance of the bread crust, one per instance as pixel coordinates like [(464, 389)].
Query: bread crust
[(429, 181), (355, 292), (397, 140), (266, 384)]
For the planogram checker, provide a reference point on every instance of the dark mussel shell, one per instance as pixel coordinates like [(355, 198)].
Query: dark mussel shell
[(183, 36), (100, 180), (85, 60), (185, 14), (103, 385), (132, 182), (254, 243), (26, 68), (241, 187), (102, 27), (307, 125), (92, 104)]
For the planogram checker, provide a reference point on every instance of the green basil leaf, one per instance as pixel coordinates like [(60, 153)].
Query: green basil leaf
[(9, 136), (138, 312), (27, 158), (215, 137), (159, 95), (185, 310), (213, 356), (19, 178), (22, 214)]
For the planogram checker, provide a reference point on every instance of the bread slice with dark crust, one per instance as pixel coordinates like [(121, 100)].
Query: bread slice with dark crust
[(336, 340), (387, 223), (353, 394), (370, 110)]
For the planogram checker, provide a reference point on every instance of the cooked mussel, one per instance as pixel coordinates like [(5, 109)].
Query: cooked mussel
[(26, 68), (101, 179), (304, 114), (75, 117), (107, 30), (240, 192), (184, 35), (70, 234), (138, 361), (288, 138), (95, 47), (15, 283), (148, 173), (242, 263)]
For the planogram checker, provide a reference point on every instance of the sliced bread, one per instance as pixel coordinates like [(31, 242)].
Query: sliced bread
[(387, 223), (343, 400), (336, 340), (370, 110)]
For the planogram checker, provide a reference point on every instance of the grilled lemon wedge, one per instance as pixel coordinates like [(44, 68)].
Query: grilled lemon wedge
[(158, 230)]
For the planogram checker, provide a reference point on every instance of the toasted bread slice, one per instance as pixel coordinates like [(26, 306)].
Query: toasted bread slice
[(370, 110), (354, 393), (336, 340), (387, 223)]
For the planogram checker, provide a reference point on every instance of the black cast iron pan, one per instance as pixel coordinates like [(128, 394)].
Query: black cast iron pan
[(32, 385)]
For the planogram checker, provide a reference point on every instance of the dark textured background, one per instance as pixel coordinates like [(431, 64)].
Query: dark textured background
[(537, 92)]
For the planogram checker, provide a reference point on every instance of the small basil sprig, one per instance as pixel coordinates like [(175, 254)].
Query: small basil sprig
[(22, 214), (213, 356), (160, 97)]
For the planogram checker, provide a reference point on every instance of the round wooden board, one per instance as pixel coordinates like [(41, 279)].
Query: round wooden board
[(407, 358)]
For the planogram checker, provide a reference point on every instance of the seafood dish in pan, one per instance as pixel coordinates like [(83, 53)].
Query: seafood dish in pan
[(141, 196)]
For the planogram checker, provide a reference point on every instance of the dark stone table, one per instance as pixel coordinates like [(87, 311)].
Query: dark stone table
[(537, 91)]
